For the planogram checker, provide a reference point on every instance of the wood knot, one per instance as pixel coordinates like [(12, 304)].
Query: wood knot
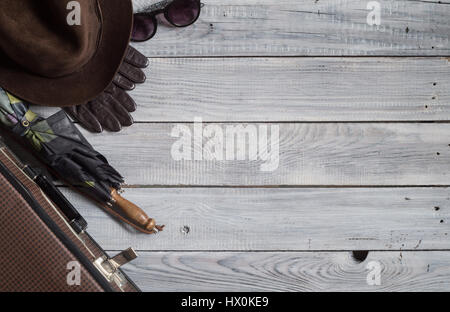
[(360, 255), (185, 230)]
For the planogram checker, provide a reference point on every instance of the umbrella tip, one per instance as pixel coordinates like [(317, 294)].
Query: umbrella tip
[(153, 228)]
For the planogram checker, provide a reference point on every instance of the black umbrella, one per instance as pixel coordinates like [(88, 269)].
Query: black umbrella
[(66, 151)]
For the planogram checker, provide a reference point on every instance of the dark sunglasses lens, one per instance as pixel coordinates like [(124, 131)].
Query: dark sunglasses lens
[(183, 12), (144, 27)]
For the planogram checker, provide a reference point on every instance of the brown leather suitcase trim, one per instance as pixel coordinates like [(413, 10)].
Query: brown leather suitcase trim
[(97, 282), (82, 246)]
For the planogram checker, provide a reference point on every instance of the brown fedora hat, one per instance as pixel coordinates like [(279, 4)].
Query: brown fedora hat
[(46, 60)]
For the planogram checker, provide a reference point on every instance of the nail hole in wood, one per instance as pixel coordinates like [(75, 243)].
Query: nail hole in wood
[(436, 208), (442, 221), (360, 255), (434, 83), (438, 153)]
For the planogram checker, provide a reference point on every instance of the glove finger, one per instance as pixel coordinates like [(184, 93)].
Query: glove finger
[(84, 116), (119, 111), (122, 97), (135, 58), (105, 116), (134, 74), (123, 83)]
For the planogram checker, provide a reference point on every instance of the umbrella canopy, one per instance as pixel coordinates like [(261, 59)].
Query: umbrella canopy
[(63, 148)]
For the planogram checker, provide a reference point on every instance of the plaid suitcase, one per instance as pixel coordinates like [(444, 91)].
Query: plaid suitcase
[(43, 243)]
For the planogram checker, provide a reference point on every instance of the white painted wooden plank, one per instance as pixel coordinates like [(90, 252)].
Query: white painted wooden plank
[(281, 219), (290, 271), (325, 27), (309, 154), (294, 89)]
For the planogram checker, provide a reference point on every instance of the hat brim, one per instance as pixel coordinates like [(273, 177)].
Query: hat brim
[(91, 80)]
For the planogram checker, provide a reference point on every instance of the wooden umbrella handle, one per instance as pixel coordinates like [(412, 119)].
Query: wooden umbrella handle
[(135, 214)]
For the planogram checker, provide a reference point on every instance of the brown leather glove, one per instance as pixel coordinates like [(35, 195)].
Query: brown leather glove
[(130, 71), (111, 109)]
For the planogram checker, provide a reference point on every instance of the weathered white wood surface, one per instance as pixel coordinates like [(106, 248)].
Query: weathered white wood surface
[(281, 219), (289, 271), (276, 221), (306, 28), (293, 89), (292, 239), (310, 154)]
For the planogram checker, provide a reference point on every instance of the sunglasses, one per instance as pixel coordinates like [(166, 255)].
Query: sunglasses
[(179, 13)]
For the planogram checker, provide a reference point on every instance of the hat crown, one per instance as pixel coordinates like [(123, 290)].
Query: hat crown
[(39, 36)]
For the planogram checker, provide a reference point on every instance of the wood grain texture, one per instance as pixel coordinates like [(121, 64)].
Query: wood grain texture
[(307, 28), (273, 238), (245, 219), (289, 271), (295, 89), (310, 154)]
